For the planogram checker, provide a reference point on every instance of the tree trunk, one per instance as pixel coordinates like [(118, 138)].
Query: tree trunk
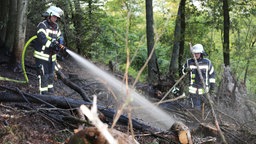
[(246, 70), (90, 3), (20, 30), (182, 34), (153, 70), (178, 46), (226, 28), (90, 27), (11, 26), (78, 26), (4, 5)]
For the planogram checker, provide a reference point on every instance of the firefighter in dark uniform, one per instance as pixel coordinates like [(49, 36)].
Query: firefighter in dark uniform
[(49, 42), (196, 88)]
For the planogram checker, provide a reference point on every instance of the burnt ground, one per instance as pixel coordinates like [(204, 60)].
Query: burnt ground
[(33, 123)]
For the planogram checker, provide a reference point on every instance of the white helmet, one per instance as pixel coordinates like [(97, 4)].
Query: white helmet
[(198, 48), (55, 11)]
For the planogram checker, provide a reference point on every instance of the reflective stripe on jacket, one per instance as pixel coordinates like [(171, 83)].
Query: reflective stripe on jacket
[(208, 74), (46, 57), (46, 32)]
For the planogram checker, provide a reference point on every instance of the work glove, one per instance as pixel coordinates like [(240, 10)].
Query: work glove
[(54, 46), (54, 43), (175, 91), (62, 54)]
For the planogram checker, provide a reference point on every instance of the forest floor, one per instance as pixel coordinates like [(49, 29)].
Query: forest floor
[(28, 123), (25, 123)]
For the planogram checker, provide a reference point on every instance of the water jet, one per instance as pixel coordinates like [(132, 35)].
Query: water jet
[(147, 111)]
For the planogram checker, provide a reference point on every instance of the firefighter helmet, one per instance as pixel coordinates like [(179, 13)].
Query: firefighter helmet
[(54, 11), (198, 48)]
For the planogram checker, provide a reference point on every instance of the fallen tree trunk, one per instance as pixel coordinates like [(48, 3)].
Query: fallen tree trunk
[(64, 102), (57, 101)]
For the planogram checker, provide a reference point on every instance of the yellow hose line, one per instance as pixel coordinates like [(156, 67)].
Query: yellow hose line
[(23, 57), (11, 80)]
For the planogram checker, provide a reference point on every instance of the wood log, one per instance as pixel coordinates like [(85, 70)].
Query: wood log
[(57, 101), (182, 132), (64, 102)]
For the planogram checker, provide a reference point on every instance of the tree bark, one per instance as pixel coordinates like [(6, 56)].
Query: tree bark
[(178, 45), (4, 6), (20, 29), (11, 26), (226, 27), (57, 101), (77, 17), (182, 34), (153, 70)]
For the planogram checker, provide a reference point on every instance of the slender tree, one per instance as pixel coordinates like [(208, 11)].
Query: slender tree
[(11, 26), (178, 44), (77, 20), (226, 27), (153, 70), (4, 6), (20, 30)]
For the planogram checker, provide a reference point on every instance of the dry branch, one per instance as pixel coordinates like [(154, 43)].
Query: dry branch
[(171, 100), (92, 115), (73, 86), (172, 88)]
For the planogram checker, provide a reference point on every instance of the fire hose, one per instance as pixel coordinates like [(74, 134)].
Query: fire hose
[(23, 57), (22, 64)]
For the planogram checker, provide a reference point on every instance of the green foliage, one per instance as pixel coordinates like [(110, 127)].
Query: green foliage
[(111, 28), (132, 72), (243, 50), (35, 10)]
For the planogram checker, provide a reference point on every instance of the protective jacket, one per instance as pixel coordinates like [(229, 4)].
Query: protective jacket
[(45, 53), (207, 70), (46, 33)]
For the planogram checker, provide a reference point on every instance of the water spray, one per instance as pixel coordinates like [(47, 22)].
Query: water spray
[(147, 111)]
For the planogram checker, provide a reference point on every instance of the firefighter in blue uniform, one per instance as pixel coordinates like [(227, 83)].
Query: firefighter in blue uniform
[(48, 43), (196, 88)]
